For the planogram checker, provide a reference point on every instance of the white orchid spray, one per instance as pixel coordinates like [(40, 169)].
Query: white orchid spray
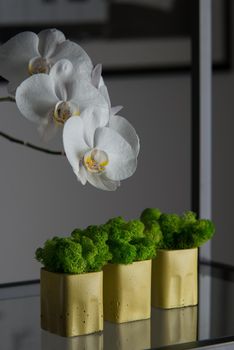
[(55, 84), (28, 53), (101, 155)]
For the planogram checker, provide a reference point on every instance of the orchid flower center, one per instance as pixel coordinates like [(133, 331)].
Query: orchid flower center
[(39, 65), (64, 110), (95, 161)]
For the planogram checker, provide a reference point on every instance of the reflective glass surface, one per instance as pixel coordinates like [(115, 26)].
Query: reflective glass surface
[(190, 327)]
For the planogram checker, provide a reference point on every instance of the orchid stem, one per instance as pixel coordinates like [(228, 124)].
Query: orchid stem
[(30, 145), (7, 99), (23, 143)]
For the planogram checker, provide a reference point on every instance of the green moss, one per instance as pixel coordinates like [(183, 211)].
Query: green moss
[(122, 253), (62, 255), (130, 241), (149, 215), (120, 241), (153, 231), (145, 249), (85, 251), (203, 230), (170, 225), (177, 232)]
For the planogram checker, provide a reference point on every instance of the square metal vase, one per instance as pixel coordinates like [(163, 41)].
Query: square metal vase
[(174, 278), (71, 304), (127, 291)]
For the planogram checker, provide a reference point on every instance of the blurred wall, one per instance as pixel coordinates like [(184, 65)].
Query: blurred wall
[(223, 167), (223, 161)]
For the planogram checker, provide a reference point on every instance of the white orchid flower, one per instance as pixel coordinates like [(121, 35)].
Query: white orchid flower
[(50, 99), (103, 156), (28, 53)]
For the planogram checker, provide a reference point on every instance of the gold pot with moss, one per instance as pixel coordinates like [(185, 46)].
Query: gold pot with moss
[(72, 282), (127, 278), (175, 268)]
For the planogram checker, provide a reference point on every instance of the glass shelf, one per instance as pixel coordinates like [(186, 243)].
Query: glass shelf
[(211, 322)]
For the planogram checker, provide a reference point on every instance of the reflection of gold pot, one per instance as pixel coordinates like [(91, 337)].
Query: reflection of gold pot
[(71, 304), (173, 326), (127, 291), (174, 278), (51, 341), (128, 336)]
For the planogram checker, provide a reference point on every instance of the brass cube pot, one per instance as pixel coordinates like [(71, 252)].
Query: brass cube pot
[(71, 304), (174, 278), (127, 291)]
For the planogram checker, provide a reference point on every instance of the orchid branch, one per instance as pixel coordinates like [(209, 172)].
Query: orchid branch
[(24, 143), (7, 99), (30, 145)]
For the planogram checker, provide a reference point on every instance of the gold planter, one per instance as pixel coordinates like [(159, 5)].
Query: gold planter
[(71, 304), (174, 278), (127, 291)]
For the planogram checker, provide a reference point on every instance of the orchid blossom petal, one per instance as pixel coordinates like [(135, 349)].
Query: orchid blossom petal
[(96, 75), (102, 182), (86, 95), (104, 92), (116, 109), (73, 141), (49, 39), (82, 175), (15, 55), (93, 118), (126, 130), (122, 159), (62, 74), (36, 98), (76, 55)]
